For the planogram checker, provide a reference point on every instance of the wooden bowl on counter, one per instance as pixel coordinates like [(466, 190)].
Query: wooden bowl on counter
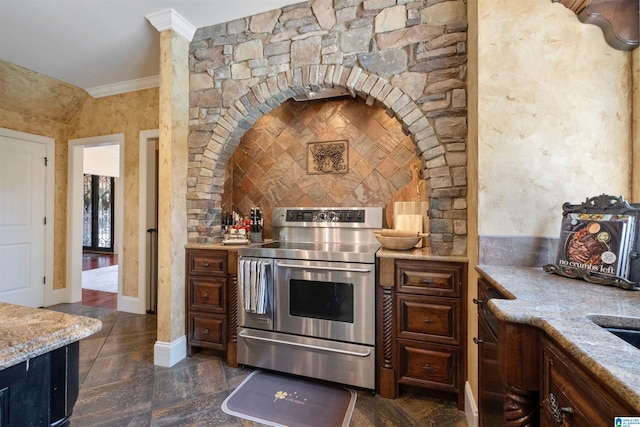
[(397, 243)]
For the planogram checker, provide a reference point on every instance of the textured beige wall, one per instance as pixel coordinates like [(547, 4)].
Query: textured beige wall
[(472, 196), (172, 184), (635, 179), (37, 104), (127, 113), (554, 116)]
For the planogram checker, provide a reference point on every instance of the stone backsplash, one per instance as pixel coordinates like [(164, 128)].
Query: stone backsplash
[(406, 57), (517, 251), (269, 167)]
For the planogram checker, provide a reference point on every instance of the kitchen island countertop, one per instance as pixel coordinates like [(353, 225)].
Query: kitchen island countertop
[(569, 311), (27, 332)]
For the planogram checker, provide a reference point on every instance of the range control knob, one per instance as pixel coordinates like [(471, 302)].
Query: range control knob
[(291, 215), (322, 216)]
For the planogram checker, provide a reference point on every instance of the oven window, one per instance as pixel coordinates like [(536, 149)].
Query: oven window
[(321, 300)]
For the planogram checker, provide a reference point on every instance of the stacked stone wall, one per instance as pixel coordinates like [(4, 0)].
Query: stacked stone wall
[(406, 57)]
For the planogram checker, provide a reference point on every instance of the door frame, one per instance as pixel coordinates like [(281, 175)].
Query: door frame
[(51, 297), (143, 176), (75, 208)]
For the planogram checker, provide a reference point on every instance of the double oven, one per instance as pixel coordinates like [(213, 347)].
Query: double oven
[(306, 301)]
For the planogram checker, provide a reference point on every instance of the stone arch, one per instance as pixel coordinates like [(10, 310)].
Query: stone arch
[(206, 180)]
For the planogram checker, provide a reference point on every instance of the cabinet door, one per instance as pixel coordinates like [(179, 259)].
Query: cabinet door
[(429, 319), (429, 278), (429, 365), (207, 294), (571, 397), (491, 390)]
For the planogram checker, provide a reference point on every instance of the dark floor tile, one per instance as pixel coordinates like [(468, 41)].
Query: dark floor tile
[(126, 343), (119, 367), (113, 401), (120, 385), (187, 382), (201, 412)]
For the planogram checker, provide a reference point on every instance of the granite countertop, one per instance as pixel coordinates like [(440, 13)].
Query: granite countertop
[(221, 246), (27, 332), (422, 254), (569, 311)]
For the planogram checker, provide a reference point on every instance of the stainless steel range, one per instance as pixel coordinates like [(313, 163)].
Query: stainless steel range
[(306, 302)]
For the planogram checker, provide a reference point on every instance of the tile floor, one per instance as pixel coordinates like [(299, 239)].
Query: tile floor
[(120, 386)]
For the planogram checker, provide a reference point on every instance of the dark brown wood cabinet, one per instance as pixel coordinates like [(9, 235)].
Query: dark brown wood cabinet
[(527, 379), (490, 389), (421, 323), (571, 397), (207, 299)]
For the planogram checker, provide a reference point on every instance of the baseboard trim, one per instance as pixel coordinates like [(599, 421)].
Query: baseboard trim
[(168, 354), (131, 304), (470, 406)]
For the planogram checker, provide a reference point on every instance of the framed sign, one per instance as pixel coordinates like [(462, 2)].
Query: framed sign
[(330, 157), (599, 242)]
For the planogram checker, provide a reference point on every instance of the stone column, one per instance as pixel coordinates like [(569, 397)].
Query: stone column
[(170, 346)]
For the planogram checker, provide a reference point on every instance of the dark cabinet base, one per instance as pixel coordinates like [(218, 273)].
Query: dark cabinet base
[(41, 391)]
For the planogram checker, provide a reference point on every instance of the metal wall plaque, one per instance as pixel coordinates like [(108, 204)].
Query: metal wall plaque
[(328, 157)]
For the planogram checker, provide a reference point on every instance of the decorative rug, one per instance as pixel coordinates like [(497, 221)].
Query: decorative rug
[(279, 400), (103, 279)]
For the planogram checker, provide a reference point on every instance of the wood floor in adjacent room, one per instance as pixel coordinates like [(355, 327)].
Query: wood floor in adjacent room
[(94, 298), (120, 385)]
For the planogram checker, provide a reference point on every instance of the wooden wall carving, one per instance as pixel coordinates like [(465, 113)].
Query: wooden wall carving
[(618, 19)]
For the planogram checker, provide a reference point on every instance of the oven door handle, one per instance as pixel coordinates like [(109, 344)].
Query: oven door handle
[(320, 267), (314, 347)]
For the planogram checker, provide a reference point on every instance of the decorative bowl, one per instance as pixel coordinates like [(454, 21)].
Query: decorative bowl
[(397, 243)]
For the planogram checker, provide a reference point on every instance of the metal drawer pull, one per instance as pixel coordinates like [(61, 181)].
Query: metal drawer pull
[(477, 341), (206, 331), (427, 367), (318, 267), (477, 301), (205, 295), (205, 264), (315, 347), (427, 281), (557, 410), (428, 320)]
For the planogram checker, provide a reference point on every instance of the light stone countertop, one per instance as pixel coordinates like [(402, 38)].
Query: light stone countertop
[(27, 332), (568, 310), (221, 246), (421, 254)]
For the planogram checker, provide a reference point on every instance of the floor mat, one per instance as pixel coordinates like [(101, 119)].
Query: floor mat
[(280, 400)]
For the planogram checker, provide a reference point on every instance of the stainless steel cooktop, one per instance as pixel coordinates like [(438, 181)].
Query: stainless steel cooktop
[(322, 234)]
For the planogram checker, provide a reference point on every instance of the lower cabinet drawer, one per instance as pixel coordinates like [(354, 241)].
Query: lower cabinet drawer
[(429, 319), (207, 294), (428, 365), (208, 331)]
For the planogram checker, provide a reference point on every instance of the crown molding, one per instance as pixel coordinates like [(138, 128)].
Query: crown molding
[(169, 19), (124, 87)]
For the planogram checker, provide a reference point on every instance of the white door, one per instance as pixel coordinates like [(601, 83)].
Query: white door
[(22, 217)]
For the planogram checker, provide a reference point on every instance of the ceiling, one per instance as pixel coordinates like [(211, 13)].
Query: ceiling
[(96, 43)]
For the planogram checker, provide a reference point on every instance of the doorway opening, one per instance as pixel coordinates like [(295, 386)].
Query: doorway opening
[(95, 220), (101, 170)]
